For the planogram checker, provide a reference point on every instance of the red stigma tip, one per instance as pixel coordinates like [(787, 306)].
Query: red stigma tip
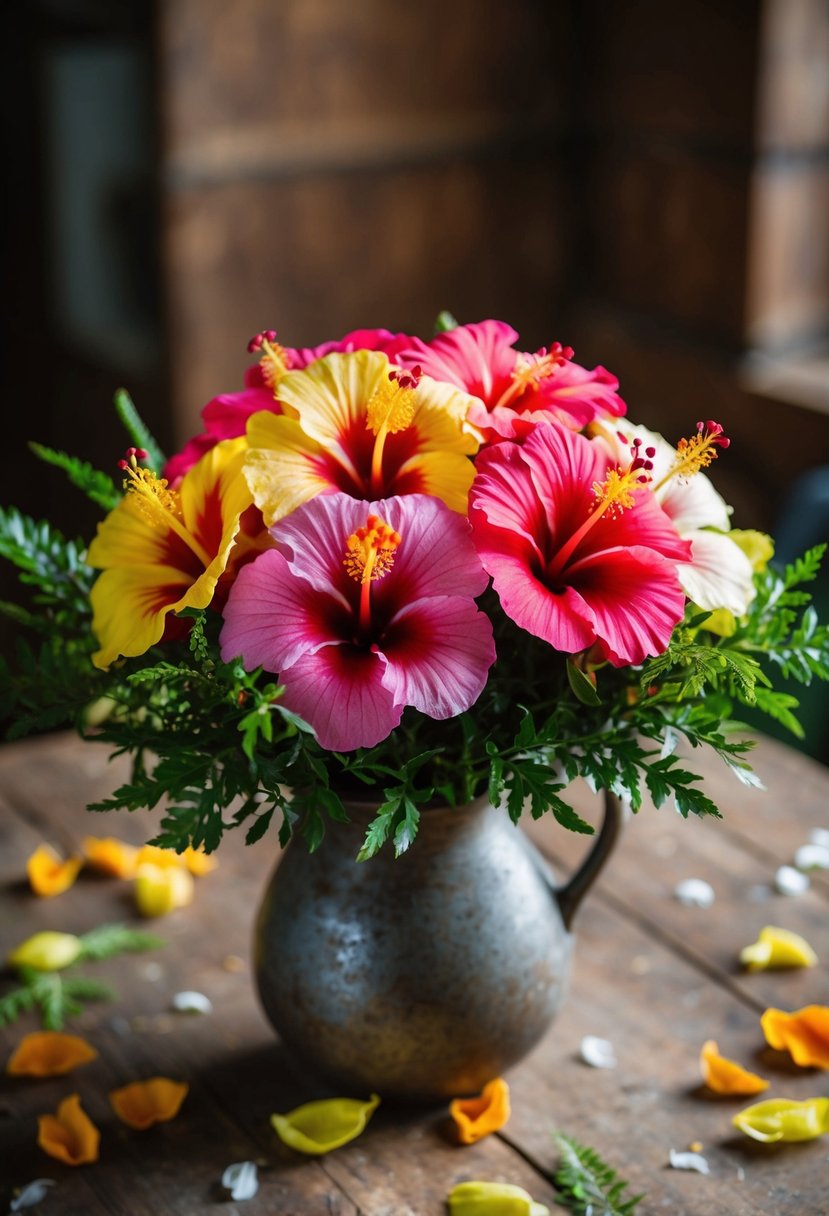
[(123, 464), (650, 452)]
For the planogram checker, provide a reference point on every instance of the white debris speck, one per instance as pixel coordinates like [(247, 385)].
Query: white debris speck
[(819, 836), (790, 881), (741, 1174), (812, 857), (598, 1053), (31, 1193), (241, 1180), (192, 1002), (688, 1161), (153, 972), (694, 893)]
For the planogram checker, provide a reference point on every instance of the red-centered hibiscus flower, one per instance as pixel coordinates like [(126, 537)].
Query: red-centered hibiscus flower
[(226, 416), (351, 423), (516, 390), (364, 608), (580, 552)]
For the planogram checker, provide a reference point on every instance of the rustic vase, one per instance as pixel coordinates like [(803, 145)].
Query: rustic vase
[(425, 976)]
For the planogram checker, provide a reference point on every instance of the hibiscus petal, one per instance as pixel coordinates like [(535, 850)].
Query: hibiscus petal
[(725, 1076), (438, 653), (436, 556), (69, 1135), (144, 1103), (339, 692), (478, 1117), (804, 1034), (319, 1127), (783, 1119), (48, 1053), (479, 357), (719, 574), (49, 874)]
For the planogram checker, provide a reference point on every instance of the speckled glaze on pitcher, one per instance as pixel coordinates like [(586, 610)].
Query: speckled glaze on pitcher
[(425, 976)]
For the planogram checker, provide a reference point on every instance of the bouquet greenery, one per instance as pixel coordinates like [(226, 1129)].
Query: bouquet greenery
[(408, 572)]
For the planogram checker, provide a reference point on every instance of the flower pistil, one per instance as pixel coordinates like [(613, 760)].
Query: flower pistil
[(369, 555), (158, 505), (391, 409)]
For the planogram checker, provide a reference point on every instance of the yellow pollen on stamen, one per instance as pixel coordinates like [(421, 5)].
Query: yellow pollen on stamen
[(391, 409), (614, 495), (370, 550), (692, 455), (531, 369), (274, 363), (160, 506)]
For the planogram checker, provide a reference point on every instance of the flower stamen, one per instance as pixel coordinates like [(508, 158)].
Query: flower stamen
[(696, 453), (157, 504), (531, 369), (275, 360), (391, 409), (369, 555)]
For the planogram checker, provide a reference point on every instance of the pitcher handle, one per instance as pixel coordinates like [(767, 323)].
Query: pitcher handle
[(569, 896)]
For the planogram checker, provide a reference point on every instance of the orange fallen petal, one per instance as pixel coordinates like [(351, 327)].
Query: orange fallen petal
[(144, 1103), (804, 1034), (725, 1076), (198, 862), (165, 859), (47, 1053), (70, 1136), (478, 1117), (49, 874), (110, 856)]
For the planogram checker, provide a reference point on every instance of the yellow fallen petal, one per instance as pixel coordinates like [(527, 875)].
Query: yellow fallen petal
[(777, 948), (70, 1135), (725, 1076), (47, 1053), (159, 890), (165, 859), (804, 1034), (49, 874), (478, 1117), (782, 1119), (493, 1199), (319, 1127), (110, 856), (144, 1103), (46, 951), (198, 862)]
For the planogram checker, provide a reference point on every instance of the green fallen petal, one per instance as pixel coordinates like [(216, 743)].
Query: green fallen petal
[(493, 1199), (46, 951), (783, 1119), (319, 1127)]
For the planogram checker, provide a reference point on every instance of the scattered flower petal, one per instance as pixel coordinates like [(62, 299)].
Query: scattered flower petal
[(694, 893), (777, 948), (819, 836), (164, 859), (144, 1103), (110, 856), (782, 1119), (478, 1117), (48, 1053), (804, 1034), (493, 1199), (49, 873), (241, 1180), (70, 1135), (688, 1161), (192, 1002), (159, 890), (812, 857), (46, 951), (31, 1194), (319, 1127), (598, 1053), (725, 1076), (198, 862), (790, 881)]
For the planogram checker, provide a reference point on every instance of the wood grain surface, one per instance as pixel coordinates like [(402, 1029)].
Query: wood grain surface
[(652, 976)]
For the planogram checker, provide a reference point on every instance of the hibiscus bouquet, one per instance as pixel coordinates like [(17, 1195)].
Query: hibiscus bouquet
[(408, 572)]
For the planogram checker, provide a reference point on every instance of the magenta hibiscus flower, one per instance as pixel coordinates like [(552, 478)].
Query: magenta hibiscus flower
[(580, 552), (516, 389), (364, 608)]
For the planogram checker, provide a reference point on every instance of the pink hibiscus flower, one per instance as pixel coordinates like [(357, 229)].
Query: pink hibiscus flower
[(226, 416), (580, 552), (364, 608), (516, 390)]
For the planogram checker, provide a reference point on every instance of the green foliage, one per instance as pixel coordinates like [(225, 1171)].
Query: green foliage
[(137, 430), (97, 486), (444, 322), (57, 996), (108, 940), (587, 1185)]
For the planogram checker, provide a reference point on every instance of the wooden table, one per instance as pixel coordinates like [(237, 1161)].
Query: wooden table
[(654, 977)]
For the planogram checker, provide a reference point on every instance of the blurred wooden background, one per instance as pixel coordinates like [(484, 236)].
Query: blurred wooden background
[(647, 182)]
